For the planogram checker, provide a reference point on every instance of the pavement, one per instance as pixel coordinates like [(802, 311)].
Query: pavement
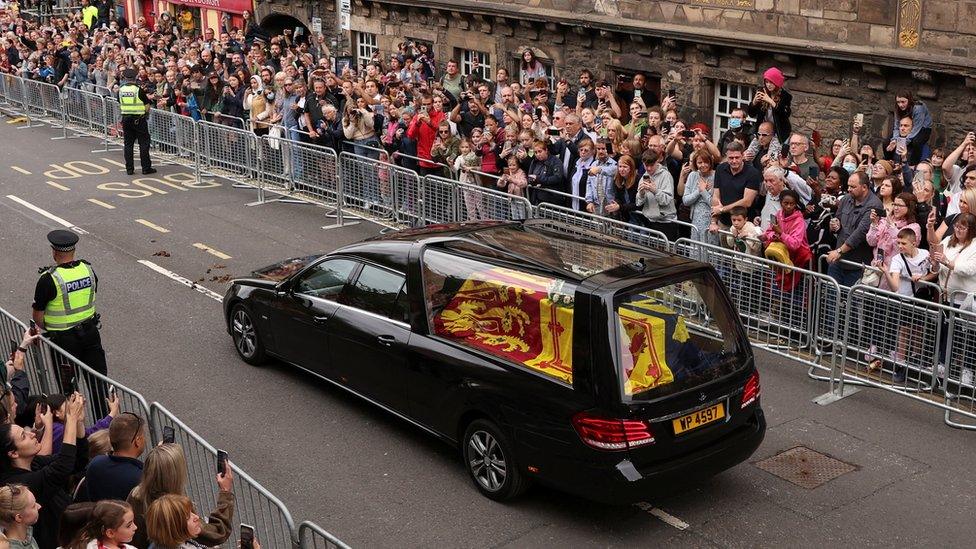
[(374, 480)]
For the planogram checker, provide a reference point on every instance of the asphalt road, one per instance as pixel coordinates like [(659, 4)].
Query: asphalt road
[(373, 480)]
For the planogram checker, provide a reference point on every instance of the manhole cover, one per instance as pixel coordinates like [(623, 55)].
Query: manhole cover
[(805, 467)]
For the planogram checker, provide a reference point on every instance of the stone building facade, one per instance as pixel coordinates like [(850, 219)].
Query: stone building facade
[(841, 57)]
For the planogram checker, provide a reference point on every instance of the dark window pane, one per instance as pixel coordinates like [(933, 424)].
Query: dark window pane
[(326, 279), (376, 291)]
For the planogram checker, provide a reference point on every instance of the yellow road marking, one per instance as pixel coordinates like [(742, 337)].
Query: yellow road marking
[(58, 186), (17, 120), (119, 164), (102, 204), (19, 169), (152, 225), (210, 250)]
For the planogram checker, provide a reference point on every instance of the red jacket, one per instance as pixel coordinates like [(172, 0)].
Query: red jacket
[(425, 133)]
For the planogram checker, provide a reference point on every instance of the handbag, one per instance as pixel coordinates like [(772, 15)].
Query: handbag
[(870, 277), (274, 134), (926, 292)]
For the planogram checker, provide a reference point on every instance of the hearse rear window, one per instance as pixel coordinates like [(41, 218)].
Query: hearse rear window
[(675, 337), (524, 318)]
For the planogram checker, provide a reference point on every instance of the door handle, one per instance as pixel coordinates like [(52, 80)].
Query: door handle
[(386, 340), (320, 319)]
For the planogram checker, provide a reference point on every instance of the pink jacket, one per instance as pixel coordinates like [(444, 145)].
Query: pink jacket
[(883, 235)]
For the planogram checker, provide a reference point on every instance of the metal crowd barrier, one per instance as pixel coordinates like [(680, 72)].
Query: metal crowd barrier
[(51, 370), (312, 536), (783, 308), (448, 201), (228, 152), (254, 504), (585, 220)]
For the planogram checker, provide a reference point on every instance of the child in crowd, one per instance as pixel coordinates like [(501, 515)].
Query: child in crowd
[(745, 281), (463, 164), (57, 404), (513, 181), (111, 526), (906, 270)]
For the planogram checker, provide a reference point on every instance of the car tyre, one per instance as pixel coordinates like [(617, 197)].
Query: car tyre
[(245, 334), (490, 460)]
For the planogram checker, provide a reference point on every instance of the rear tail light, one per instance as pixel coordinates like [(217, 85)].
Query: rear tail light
[(612, 434), (751, 391)]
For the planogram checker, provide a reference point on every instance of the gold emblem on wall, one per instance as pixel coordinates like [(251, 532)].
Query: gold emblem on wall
[(909, 18)]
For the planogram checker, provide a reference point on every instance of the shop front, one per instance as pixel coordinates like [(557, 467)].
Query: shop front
[(192, 16)]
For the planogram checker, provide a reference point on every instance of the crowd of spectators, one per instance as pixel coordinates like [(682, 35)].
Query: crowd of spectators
[(613, 147), (65, 483)]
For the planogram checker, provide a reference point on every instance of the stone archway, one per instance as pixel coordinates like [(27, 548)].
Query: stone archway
[(274, 23)]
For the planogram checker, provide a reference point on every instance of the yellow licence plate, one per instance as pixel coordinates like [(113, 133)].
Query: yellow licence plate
[(699, 418)]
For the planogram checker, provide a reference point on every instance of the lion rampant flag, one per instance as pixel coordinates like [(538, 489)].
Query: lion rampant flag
[(518, 316)]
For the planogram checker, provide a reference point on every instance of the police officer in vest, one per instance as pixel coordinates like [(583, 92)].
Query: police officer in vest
[(134, 104), (64, 306)]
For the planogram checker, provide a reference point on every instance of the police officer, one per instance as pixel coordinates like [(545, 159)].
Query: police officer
[(134, 104), (64, 306)]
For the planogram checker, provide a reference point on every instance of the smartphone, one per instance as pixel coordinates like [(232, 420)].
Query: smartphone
[(864, 158), (169, 435), (538, 112), (637, 94), (33, 327), (247, 536), (74, 384), (859, 119), (672, 93), (881, 255), (43, 407), (881, 212), (772, 219), (688, 134), (111, 392), (13, 348), (222, 462), (642, 114), (553, 131)]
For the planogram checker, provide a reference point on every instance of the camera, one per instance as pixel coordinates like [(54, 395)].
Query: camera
[(828, 201), (553, 131)]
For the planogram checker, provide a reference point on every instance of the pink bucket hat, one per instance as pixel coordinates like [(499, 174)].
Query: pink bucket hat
[(775, 76)]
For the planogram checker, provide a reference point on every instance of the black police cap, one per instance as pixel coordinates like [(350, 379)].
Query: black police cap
[(62, 240)]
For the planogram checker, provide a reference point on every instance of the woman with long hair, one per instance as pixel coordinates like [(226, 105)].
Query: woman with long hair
[(906, 106), (624, 190), (46, 476), (883, 233), (773, 103), (531, 69), (967, 204), (698, 179), (165, 473)]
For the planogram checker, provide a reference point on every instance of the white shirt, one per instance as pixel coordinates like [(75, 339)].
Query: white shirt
[(919, 265), (962, 278)]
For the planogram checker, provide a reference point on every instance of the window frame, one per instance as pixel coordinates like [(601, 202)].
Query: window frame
[(371, 45), (465, 63), (720, 120), (357, 266), (400, 294)]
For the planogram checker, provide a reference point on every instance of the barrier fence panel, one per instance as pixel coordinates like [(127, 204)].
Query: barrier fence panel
[(33, 101), (51, 103), (384, 192), (313, 536), (781, 307), (315, 173), (228, 152), (487, 199), (960, 363), (51, 370), (572, 217), (113, 122), (14, 92), (441, 198), (165, 138), (254, 504), (643, 236), (274, 164)]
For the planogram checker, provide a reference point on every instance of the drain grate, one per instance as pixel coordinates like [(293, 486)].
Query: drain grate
[(805, 467)]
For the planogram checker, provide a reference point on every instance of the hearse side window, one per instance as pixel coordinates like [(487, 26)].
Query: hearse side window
[(519, 316), (376, 291), (326, 279), (674, 337)]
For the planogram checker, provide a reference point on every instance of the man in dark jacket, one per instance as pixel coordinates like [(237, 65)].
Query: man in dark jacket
[(114, 475), (545, 172), (851, 225)]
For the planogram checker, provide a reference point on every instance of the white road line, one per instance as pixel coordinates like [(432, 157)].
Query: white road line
[(663, 515), (47, 214), (58, 186), (152, 225), (183, 280), (102, 204), (19, 169)]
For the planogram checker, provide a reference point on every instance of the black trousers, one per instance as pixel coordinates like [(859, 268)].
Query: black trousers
[(84, 343), (136, 128)]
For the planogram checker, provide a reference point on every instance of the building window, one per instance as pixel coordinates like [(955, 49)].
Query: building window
[(468, 57), (728, 97), (365, 47)]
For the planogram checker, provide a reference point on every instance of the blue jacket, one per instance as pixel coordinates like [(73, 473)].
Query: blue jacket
[(110, 477)]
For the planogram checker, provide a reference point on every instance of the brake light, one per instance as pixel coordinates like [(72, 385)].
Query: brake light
[(611, 434), (751, 391)]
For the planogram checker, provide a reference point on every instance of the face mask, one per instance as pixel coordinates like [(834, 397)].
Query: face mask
[(735, 123), (850, 167)]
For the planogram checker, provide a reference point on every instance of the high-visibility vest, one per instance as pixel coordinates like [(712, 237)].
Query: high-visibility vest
[(129, 102), (88, 16), (74, 302)]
